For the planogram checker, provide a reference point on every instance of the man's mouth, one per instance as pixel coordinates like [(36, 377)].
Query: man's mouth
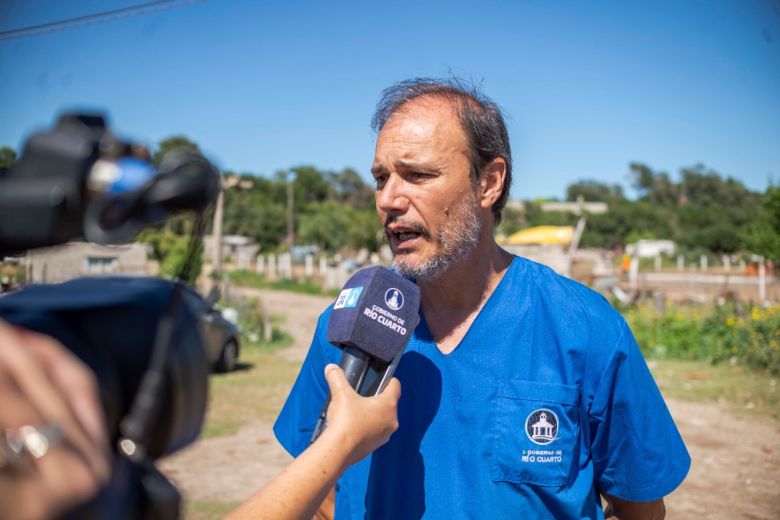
[(402, 234)]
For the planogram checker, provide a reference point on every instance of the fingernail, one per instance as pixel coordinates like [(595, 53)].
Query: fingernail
[(329, 367)]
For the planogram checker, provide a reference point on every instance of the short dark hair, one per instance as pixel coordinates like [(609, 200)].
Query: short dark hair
[(480, 117)]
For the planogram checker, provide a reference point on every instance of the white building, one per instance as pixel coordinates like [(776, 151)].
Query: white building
[(61, 263), (647, 248)]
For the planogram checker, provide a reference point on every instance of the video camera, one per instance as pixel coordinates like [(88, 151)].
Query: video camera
[(136, 334)]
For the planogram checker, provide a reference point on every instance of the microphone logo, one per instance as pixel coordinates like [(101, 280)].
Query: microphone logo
[(394, 299), (348, 298)]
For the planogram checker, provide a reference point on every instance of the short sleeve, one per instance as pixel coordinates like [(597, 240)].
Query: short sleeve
[(638, 453), (296, 421)]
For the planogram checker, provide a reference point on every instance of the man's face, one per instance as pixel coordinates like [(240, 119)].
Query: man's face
[(424, 194)]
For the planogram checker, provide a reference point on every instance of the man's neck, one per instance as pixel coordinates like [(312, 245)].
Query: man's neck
[(453, 300)]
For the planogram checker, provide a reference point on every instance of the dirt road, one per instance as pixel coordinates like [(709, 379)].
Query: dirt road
[(735, 471)]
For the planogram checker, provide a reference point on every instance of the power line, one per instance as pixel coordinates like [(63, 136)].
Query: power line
[(94, 19)]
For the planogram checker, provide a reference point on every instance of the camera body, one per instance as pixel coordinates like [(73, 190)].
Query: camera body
[(135, 333)]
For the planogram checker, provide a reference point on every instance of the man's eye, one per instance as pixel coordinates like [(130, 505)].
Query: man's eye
[(380, 180)]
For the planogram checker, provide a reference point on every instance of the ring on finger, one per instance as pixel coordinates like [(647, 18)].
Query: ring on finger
[(27, 442)]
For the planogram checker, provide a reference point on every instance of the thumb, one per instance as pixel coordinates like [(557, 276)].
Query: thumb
[(392, 391), (337, 381)]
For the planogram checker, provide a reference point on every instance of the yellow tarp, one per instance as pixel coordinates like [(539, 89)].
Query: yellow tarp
[(544, 235)]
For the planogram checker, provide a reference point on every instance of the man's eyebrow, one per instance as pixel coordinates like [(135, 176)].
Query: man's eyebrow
[(416, 166), (380, 169)]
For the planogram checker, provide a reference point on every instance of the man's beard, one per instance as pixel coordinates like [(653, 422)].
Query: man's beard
[(456, 239)]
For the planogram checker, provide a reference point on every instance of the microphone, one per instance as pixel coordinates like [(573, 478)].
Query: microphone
[(372, 321)]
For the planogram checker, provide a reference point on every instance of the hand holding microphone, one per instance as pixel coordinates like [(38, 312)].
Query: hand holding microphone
[(360, 424), (372, 321)]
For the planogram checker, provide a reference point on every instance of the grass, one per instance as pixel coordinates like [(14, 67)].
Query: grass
[(246, 278), (256, 390), (744, 390), (202, 510)]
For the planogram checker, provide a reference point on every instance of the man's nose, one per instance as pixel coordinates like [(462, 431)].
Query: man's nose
[(392, 198)]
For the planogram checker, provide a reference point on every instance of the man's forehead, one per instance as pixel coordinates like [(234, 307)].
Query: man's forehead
[(423, 125), (425, 111)]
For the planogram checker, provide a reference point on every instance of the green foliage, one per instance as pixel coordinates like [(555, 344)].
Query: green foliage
[(246, 278), (252, 326), (762, 236), (333, 210), (716, 334), (512, 219), (170, 250), (333, 227), (348, 188), (703, 212), (174, 142), (257, 212), (7, 157), (595, 191)]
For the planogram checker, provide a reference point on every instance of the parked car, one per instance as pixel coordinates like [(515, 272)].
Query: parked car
[(220, 337)]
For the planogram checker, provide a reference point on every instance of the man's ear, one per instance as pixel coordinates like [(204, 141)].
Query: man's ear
[(491, 182)]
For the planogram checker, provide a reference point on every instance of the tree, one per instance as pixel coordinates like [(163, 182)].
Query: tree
[(762, 236), (170, 250), (595, 191), (253, 213), (7, 157), (655, 187), (332, 227), (174, 142), (348, 188)]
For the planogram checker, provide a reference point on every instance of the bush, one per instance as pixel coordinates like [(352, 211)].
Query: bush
[(714, 333)]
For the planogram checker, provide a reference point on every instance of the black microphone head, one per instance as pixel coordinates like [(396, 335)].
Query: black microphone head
[(376, 312)]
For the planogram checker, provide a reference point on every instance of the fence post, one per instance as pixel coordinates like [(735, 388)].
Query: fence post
[(309, 266), (633, 272), (285, 265), (271, 267), (267, 331)]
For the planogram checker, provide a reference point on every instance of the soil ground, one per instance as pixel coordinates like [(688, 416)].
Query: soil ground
[(735, 471)]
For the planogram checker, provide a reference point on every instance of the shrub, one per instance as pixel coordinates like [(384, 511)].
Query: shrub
[(716, 333)]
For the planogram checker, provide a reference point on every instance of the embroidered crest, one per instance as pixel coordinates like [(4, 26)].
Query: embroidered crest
[(541, 426)]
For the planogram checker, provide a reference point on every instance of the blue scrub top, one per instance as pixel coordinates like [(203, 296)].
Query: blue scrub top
[(546, 402)]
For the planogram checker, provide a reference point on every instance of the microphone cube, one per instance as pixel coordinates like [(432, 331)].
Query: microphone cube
[(376, 312)]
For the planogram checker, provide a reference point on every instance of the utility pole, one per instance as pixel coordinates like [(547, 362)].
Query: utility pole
[(290, 231), (216, 269), (226, 183)]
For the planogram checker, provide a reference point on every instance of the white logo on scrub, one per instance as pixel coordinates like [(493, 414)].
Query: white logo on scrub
[(541, 426)]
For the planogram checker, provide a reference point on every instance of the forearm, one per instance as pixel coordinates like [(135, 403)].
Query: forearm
[(623, 510), (299, 490)]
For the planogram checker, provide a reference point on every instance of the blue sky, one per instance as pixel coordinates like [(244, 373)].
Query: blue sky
[(261, 86)]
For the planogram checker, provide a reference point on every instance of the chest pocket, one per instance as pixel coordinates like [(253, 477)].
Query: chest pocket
[(537, 437)]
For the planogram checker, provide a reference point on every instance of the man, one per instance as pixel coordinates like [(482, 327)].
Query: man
[(526, 395)]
